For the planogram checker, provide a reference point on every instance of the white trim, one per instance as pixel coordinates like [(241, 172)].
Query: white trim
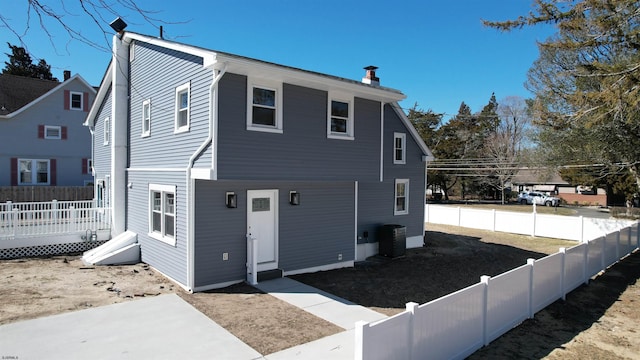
[(163, 189), (349, 100), (71, 93), (403, 137), (267, 85), (333, 266), (107, 131), (406, 196), (355, 223), (147, 132), (179, 90), (59, 128), (367, 249), (381, 142)]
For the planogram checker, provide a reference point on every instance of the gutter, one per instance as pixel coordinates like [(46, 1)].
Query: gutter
[(189, 192)]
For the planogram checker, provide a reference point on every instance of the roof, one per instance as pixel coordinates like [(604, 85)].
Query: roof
[(538, 177), (18, 91)]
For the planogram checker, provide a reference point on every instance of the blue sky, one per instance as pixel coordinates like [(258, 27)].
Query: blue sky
[(437, 53)]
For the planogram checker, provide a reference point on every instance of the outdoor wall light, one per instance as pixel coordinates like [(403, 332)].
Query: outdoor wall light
[(294, 198), (231, 200)]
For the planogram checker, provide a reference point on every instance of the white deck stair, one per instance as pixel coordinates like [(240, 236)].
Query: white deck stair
[(123, 249)]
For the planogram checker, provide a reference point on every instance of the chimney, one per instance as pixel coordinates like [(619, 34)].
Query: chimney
[(370, 77), (66, 75)]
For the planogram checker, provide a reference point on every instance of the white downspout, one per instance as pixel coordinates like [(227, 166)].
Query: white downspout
[(119, 146), (381, 141), (189, 193)]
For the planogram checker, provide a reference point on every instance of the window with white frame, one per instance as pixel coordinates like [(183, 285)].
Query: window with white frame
[(401, 197), (75, 99), (264, 107), (340, 119), (162, 213), (183, 104), (52, 132), (146, 118), (399, 148), (33, 172), (107, 131)]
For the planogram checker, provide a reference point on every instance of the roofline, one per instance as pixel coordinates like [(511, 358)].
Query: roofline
[(414, 133), (41, 97), (102, 93), (255, 67)]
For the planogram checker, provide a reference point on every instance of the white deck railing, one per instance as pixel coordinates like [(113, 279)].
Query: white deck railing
[(50, 218)]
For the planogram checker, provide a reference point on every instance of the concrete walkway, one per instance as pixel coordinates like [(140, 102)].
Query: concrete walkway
[(167, 327)]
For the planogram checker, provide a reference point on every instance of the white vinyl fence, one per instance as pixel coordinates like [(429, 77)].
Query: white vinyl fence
[(24, 220), (456, 325)]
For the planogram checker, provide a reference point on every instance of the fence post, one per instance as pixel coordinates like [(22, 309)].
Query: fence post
[(493, 228), (533, 227), (603, 257), (54, 210), (585, 263), (562, 251), (484, 279), (412, 307), (14, 221), (72, 218), (581, 228), (531, 263), (426, 213), (459, 215), (617, 245), (362, 328)]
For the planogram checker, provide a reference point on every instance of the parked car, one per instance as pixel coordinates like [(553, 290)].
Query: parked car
[(531, 197)]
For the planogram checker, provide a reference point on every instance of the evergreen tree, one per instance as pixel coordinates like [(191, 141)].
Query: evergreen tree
[(20, 64)]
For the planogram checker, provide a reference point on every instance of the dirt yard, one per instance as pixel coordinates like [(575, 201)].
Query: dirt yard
[(596, 322)]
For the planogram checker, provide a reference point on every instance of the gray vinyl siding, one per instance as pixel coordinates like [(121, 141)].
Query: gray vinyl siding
[(102, 152), (168, 259), (376, 199), (302, 151), (311, 234), (19, 138), (155, 74)]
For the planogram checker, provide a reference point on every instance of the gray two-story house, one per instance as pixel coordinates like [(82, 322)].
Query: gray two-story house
[(42, 138), (200, 153)]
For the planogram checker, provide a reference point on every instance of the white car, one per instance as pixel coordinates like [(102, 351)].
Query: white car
[(531, 197)]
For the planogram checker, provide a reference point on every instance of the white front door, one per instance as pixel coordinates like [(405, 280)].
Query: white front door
[(262, 225)]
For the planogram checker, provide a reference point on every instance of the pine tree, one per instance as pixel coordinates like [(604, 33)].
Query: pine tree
[(21, 64)]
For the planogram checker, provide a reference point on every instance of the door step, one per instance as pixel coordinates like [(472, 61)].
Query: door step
[(269, 274)]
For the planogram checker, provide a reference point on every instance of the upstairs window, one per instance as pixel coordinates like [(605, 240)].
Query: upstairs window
[(340, 119), (107, 131), (52, 132), (146, 118), (183, 102), (264, 108), (401, 197), (399, 148), (162, 213), (76, 100)]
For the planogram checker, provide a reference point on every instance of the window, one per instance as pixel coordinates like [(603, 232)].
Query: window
[(107, 131), (76, 100), (33, 172), (182, 108), (146, 118), (264, 108), (52, 132), (399, 148), (162, 213), (340, 119), (401, 197)]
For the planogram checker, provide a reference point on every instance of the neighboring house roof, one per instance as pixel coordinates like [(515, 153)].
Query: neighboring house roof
[(249, 66), (526, 176), (18, 93)]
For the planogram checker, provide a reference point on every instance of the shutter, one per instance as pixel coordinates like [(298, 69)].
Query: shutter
[(85, 99), (84, 166), (67, 99), (52, 165), (40, 131), (63, 133), (14, 171)]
